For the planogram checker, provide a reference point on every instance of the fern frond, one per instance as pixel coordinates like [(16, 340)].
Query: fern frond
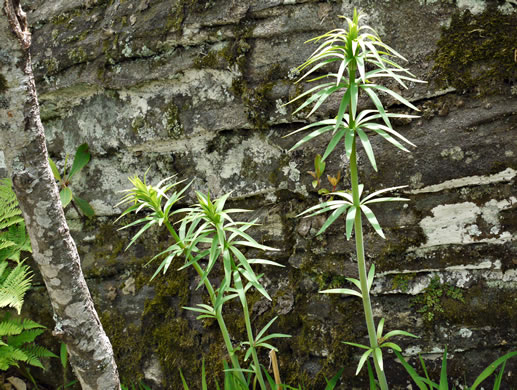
[(9, 327), (27, 336), (10, 355), (30, 324), (9, 211), (38, 351), (14, 287)]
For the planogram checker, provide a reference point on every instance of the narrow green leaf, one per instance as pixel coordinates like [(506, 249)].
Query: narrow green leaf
[(371, 275), (377, 353), (330, 220), (312, 135), (353, 98), (350, 218), (499, 378), (374, 194), (371, 376), (333, 142), (84, 206), (203, 375), (373, 221), (362, 360), (342, 108), (367, 146), (357, 345), (491, 368), (355, 282), (334, 380), (399, 333), (265, 328), (349, 140), (63, 355), (185, 386), (394, 94), (66, 196), (54, 169), (345, 291), (380, 326), (411, 371), (377, 102), (82, 156), (393, 346), (444, 385)]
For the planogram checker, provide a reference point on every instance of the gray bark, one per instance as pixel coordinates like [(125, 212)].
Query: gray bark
[(23, 142)]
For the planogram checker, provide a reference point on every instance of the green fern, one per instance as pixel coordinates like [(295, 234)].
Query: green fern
[(16, 336), (17, 343), (14, 283), (13, 236), (10, 214)]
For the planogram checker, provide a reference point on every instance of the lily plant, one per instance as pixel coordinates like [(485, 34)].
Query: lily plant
[(358, 60), (207, 234)]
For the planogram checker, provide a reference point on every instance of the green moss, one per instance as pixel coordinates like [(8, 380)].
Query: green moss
[(209, 60), (401, 281), (429, 303), (258, 103), (65, 18), (3, 83), (52, 65), (128, 347), (137, 123), (476, 52), (77, 55), (173, 123)]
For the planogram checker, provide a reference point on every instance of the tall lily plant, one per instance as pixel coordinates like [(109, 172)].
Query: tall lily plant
[(359, 59), (206, 235)]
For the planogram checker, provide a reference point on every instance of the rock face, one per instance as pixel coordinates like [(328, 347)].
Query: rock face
[(196, 89)]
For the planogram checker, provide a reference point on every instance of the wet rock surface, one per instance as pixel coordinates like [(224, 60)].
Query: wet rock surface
[(197, 89)]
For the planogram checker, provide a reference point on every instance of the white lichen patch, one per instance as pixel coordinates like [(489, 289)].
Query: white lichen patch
[(474, 6), (465, 333), (501, 177), (62, 297), (41, 214), (508, 8), (455, 153), (292, 172), (458, 223)]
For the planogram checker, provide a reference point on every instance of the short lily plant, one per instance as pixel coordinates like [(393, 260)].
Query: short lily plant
[(206, 235)]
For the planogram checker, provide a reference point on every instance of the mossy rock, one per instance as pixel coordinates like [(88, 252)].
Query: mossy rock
[(476, 53)]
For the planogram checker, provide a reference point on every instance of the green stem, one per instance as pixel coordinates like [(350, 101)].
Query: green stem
[(219, 317), (258, 371), (361, 264)]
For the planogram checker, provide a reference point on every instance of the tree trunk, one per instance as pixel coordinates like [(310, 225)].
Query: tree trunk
[(23, 142)]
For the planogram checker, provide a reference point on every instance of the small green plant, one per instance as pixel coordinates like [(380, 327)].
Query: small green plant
[(230, 383), (360, 59), (13, 236), (63, 357), (425, 383), (81, 158), (207, 233), (319, 168), (15, 276), (429, 303), (139, 386), (16, 336), (17, 343)]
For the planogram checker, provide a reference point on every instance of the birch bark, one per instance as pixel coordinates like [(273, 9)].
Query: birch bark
[(23, 142)]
